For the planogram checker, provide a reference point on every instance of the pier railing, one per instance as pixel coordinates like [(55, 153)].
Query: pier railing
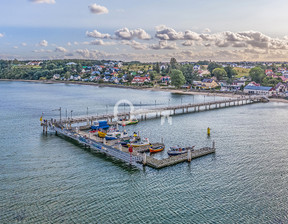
[(158, 111)]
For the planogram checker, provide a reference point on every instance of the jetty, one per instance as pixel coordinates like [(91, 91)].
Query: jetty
[(156, 112), (75, 130)]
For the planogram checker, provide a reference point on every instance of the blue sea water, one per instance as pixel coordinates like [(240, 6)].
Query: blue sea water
[(47, 179)]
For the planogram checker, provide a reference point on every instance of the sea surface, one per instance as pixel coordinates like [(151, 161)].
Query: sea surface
[(47, 179)]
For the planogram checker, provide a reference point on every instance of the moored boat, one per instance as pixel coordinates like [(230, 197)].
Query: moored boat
[(156, 148), (128, 122), (144, 142), (174, 151), (116, 135), (102, 134)]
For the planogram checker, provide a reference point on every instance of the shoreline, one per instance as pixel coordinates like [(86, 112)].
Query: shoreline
[(175, 91)]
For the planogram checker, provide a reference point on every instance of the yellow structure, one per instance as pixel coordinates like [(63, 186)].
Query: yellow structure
[(208, 131), (209, 84)]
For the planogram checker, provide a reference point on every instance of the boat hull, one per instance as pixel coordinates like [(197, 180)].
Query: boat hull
[(176, 153), (101, 134), (156, 150)]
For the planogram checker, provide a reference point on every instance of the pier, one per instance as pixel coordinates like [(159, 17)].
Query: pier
[(143, 114), (138, 157)]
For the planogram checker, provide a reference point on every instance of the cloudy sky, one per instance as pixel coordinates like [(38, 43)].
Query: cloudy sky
[(189, 30)]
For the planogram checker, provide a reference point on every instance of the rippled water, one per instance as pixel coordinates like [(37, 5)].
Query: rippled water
[(46, 179)]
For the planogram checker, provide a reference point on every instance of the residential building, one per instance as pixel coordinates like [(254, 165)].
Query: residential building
[(258, 90)]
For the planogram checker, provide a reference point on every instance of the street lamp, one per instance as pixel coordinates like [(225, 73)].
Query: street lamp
[(71, 114), (59, 111)]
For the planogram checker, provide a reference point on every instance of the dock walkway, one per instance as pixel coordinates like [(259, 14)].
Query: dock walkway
[(159, 111)]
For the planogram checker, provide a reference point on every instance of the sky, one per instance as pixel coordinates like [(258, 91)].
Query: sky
[(147, 31)]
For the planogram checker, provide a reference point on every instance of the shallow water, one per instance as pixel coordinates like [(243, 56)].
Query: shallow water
[(46, 179)]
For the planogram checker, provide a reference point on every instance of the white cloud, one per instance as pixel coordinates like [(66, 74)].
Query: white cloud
[(126, 34), (97, 34), (69, 44), (1, 35), (207, 30), (134, 44), (98, 9), (42, 51), (24, 44), (60, 49), (101, 42), (164, 44), (43, 1), (85, 53), (76, 43), (166, 33), (43, 43), (190, 35), (15, 47), (188, 43)]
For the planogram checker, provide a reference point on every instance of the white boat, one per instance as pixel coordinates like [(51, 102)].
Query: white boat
[(128, 122), (116, 135), (144, 142)]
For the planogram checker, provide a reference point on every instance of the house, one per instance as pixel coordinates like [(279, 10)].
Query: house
[(196, 67), (162, 67), (269, 72), (56, 76), (76, 77), (71, 63), (280, 88), (253, 84), (34, 63), (106, 78), (209, 84), (258, 90), (140, 80), (165, 79)]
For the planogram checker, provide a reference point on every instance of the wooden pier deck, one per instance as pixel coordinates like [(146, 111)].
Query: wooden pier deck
[(138, 157), (143, 114), (173, 160)]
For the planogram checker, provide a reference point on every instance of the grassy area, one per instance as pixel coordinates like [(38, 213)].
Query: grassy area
[(242, 72), (136, 67)]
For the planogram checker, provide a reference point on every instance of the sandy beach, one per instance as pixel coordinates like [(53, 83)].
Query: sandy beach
[(176, 91)]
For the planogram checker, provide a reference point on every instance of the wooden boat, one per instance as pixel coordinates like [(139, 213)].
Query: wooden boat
[(102, 134), (131, 140), (144, 142), (128, 122), (116, 135), (174, 151), (156, 148)]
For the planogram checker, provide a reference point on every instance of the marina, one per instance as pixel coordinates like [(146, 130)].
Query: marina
[(135, 155), (49, 178)]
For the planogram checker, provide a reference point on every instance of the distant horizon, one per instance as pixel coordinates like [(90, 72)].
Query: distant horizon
[(147, 31)]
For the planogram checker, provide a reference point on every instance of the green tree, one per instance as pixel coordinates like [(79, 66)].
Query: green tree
[(173, 63), (212, 66), (219, 73), (129, 77), (189, 74), (230, 72), (177, 78), (152, 74), (257, 74), (156, 67)]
